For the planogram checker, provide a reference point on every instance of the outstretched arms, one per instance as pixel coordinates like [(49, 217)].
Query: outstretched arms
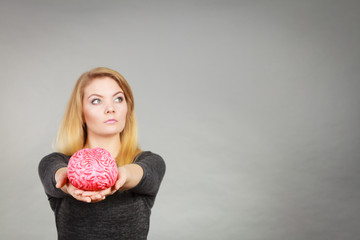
[(143, 176)]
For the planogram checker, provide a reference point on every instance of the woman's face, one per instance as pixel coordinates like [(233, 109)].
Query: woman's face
[(104, 107)]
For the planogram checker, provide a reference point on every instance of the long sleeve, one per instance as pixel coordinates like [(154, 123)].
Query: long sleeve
[(122, 215), (47, 169), (154, 169)]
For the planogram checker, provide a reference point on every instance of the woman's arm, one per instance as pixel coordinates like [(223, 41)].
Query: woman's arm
[(154, 170), (128, 177), (53, 174), (143, 176), (47, 168), (133, 174), (63, 184)]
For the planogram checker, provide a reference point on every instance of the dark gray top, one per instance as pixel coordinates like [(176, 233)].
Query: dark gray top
[(123, 215)]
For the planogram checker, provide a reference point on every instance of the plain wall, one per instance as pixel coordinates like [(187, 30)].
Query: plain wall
[(254, 105)]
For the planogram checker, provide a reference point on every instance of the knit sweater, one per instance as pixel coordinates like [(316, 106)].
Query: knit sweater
[(123, 215)]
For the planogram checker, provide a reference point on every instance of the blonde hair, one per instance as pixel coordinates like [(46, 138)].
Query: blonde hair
[(72, 133)]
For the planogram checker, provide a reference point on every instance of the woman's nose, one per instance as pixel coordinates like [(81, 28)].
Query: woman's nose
[(109, 109)]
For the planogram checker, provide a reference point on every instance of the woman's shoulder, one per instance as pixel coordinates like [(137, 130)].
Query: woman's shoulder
[(148, 158), (53, 160), (56, 155), (147, 154)]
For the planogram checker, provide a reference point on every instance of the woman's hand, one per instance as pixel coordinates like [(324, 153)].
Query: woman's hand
[(128, 177), (101, 195), (63, 183)]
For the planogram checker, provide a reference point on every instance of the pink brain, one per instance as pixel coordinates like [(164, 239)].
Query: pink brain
[(92, 169)]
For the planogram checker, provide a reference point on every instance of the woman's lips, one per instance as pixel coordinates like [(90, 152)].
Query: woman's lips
[(111, 121)]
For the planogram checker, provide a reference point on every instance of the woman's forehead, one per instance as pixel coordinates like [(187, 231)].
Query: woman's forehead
[(102, 86)]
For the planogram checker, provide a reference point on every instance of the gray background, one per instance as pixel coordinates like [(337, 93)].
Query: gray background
[(254, 105)]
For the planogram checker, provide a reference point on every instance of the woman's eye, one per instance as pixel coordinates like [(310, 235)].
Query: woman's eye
[(95, 101), (119, 99)]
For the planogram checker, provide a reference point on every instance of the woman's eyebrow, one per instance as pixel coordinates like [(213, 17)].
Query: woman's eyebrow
[(98, 95), (118, 93), (94, 94)]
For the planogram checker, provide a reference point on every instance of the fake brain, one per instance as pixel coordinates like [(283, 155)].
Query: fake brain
[(92, 169)]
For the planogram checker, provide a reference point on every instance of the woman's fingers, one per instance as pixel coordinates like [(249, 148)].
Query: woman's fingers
[(122, 175), (93, 196), (106, 192), (84, 199), (77, 193), (61, 177), (89, 193)]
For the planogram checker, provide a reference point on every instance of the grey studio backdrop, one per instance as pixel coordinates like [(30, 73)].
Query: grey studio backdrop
[(254, 105)]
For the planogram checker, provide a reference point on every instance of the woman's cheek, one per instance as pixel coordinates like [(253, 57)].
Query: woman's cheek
[(91, 117)]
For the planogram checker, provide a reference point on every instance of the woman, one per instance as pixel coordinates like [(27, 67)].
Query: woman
[(100, 113)]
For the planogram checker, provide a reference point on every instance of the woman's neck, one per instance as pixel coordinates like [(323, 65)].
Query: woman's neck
[(111, 144)]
